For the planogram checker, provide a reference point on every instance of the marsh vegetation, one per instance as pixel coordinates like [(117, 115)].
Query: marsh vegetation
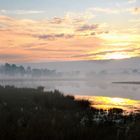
[(32, 114)]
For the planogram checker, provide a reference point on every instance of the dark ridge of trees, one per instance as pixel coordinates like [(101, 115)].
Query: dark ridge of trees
[(32, 114)]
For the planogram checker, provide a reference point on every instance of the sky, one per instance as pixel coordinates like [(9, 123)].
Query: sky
[(69, 30)]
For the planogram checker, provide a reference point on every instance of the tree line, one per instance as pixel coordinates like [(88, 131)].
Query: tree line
[(14, 70)]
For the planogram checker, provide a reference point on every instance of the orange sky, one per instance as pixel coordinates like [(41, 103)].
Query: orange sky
[(95, 33)]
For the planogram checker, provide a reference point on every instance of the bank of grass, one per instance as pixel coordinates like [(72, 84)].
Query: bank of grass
[(33, 114)]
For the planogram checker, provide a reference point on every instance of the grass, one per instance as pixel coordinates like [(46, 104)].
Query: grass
[(32, 114)]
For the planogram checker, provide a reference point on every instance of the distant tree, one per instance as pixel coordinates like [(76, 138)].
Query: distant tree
[(135, 71), (13, 70), (28, 70), (21, 70), (40, 89)]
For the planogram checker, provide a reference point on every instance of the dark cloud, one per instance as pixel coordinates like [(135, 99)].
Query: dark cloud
[(56, 20), (11, 56), (98, 33), (106, 52), (88, 27), (136, 10), (93, 33), (54, 36), (54, 50)]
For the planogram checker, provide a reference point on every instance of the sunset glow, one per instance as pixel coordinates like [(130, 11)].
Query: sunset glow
[(69, 32), (116, 56), (117, 100), (101, 102)]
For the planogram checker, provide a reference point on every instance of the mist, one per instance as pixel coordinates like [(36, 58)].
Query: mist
[(94, 78)]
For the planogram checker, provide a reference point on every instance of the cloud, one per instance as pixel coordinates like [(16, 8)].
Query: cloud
[(56, 27), (88, 27), (51, 29), (132, 10), (56, 20), (12, 57), (54, 36), (132, 1), (103, 53), (104, 10), (70, 37), (54, 50), (135, 20), (135, 10), (20, 12)]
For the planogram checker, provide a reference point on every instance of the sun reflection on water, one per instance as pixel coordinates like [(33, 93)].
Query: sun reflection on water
[(101, 102)]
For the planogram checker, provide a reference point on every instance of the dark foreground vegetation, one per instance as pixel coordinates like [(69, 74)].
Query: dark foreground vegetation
[(32, 114)]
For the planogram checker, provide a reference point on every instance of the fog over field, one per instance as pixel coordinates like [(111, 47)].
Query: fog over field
[(91, 65), (93, 78)]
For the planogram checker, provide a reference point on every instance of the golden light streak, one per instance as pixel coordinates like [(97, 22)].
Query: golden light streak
[(106, 103)]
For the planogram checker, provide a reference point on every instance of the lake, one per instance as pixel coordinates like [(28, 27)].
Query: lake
[(104, 94)]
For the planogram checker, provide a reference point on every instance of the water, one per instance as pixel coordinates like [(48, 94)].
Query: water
[(85, 88), (80, 87)]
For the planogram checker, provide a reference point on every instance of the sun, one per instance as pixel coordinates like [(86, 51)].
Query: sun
[(116, 55), (117, 100)]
